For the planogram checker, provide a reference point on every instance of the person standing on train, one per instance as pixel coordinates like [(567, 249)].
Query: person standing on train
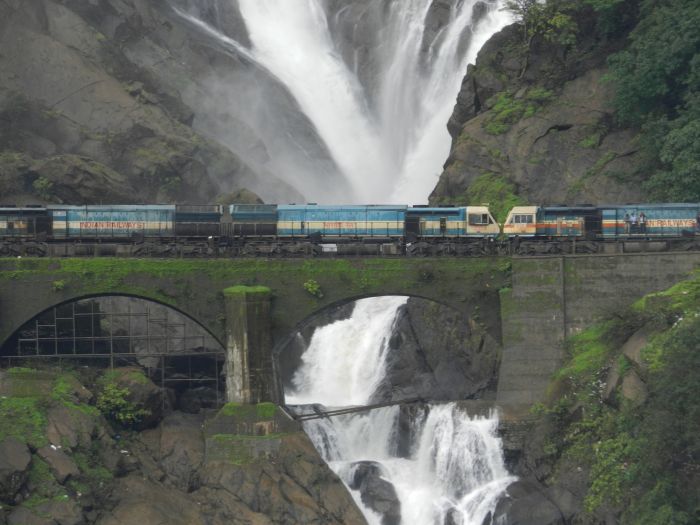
[(634, 222), (627, 222)]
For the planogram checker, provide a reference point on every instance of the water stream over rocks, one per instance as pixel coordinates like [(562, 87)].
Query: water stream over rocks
[(443, 467)]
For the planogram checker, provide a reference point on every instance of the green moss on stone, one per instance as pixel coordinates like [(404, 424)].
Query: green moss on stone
[(23, 418), (266, 410), (259, 411), (63, 391), (244, 290), (507, 110)]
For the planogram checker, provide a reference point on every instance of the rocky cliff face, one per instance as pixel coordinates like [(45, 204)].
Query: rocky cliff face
[(63, 463), (538, 124), (97, 104)]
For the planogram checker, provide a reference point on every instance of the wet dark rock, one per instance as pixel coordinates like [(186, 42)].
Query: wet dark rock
[(527, 503), (193, 400), (62, 467), (437, 354), (376, 493), (65, 512), (14, 464), (70, 428), (24, 516), (182, 449)]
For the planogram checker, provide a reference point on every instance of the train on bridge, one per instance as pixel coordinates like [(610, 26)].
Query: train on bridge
[(311, 229)]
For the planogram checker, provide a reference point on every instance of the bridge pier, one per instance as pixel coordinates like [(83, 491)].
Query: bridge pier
[(249, 368)]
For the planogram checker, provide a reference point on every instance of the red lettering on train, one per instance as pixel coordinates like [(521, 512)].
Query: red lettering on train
[(111, 225), (671, 223)]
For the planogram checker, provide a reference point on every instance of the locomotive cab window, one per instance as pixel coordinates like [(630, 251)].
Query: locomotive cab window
[(479, 219), (522, 219)]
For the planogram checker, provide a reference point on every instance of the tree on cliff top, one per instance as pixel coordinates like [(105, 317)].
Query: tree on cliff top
[(550, 20)]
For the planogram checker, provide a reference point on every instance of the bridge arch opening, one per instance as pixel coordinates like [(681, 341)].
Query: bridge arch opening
[(432, 351), (104, 331)]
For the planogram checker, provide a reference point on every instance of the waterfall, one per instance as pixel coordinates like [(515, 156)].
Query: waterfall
[(453, 471), (377, 79)]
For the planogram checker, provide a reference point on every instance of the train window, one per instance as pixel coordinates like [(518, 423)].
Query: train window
[(523, 219), (477, 219)]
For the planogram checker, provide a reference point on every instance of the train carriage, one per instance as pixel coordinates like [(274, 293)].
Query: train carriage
[(256, 220), (198, 220), (553, 222), (112, 222), (341, 222), (659, 220), (24, 222), (450, 222)]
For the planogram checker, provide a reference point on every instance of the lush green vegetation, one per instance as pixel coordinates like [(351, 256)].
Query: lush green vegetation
[(43, 188), (657, 79), (551, 20), (642, 452), (23, 418), (114, 403), (557, 21)]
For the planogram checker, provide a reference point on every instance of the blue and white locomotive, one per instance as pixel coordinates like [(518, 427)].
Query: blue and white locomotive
[(369, 222), (466, 230)]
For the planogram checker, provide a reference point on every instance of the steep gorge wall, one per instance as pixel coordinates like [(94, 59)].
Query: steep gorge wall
[(97, 104), (538, 124)]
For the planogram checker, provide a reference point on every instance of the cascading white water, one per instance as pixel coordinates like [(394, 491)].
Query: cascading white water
[(385, 129), (340, 353), (455, 466)]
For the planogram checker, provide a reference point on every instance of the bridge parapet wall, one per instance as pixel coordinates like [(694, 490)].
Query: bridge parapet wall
[(555, 297)]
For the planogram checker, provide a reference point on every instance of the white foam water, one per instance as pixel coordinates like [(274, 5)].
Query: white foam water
[(455, 465), (385, 130)]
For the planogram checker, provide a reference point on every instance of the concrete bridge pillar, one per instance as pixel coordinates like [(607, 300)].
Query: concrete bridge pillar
[(249, 368)]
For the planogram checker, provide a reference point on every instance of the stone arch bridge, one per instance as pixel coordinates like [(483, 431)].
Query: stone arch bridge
[(253, 306)]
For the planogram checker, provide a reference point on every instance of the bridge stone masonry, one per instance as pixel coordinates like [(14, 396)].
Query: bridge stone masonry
[(254, 306), (553, 298)]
